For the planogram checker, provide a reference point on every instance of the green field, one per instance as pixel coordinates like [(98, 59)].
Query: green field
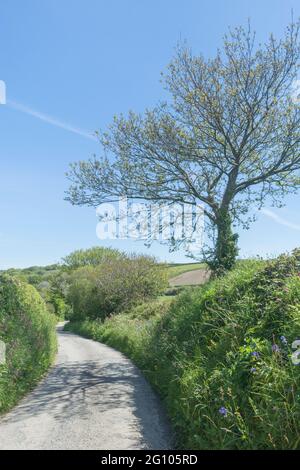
[(177, 269)]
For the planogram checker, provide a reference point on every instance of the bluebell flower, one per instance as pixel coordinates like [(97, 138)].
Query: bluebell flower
[(255, 354), (275, 348), (223, 411)]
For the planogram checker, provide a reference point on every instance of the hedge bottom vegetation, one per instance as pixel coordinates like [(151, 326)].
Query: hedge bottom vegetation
[(28, 331), (221, 356)]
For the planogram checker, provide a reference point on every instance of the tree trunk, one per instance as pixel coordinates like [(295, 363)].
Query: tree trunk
[(226, 249)]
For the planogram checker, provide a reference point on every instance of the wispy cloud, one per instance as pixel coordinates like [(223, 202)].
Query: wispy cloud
[(50, 120), (280, 220)]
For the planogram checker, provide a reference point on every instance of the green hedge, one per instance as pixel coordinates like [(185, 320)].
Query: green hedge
[(114, 285), (28, 331), (220, 356)]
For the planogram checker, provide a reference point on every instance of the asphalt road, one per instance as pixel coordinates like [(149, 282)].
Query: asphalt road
[(93, 398)]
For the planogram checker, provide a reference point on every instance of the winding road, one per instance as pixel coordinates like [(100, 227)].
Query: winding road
[(93, 398)]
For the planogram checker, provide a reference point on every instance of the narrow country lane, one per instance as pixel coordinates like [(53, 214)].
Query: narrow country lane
[(93, 398)]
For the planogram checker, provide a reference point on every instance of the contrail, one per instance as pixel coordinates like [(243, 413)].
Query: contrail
[(50, 120), (280, 220)]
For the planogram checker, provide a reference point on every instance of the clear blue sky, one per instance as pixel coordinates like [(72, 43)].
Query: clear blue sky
[(80, 62)]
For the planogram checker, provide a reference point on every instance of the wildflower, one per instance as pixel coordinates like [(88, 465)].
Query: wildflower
[(255, 354), (253, 370), (283, 340), (223, 411), (275, 348)]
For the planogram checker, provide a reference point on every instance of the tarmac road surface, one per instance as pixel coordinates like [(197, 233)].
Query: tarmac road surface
[(93, 398)]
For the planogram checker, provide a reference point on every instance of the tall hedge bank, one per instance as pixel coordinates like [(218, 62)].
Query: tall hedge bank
[(28, 332)]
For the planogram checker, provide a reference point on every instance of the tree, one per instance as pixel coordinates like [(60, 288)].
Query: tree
[(90, 257), (114, 286), (229, 138)]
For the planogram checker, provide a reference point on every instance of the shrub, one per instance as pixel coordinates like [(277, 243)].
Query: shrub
[(28, 331), (115, 285), (54, 292), (231, 390), (90, 257)]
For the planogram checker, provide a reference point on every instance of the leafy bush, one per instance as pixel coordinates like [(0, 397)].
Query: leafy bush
[(33, 275), (114, 285), (90, 257), (54, 292), (28, 331), (220, 356)]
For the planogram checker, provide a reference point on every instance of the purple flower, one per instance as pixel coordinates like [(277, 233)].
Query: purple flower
[(253, 370), (283, 340), (255, 354), (223, 411), (275, 348)]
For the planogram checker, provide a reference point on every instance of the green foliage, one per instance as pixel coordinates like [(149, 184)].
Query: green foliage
[(44, 279), (90, 257), (55, 292), (114, 285), (220, 356), (35, 274), (28, 331)]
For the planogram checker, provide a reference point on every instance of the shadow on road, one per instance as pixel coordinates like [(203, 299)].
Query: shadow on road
[(75, 389)]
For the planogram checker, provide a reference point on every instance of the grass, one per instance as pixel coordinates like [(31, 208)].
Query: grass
[(28, 331), (220, 356)]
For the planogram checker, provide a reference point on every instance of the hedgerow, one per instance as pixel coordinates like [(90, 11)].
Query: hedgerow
[(221, 356), (28, 332)]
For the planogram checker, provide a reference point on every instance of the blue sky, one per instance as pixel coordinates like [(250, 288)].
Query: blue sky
[(76, 63)]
